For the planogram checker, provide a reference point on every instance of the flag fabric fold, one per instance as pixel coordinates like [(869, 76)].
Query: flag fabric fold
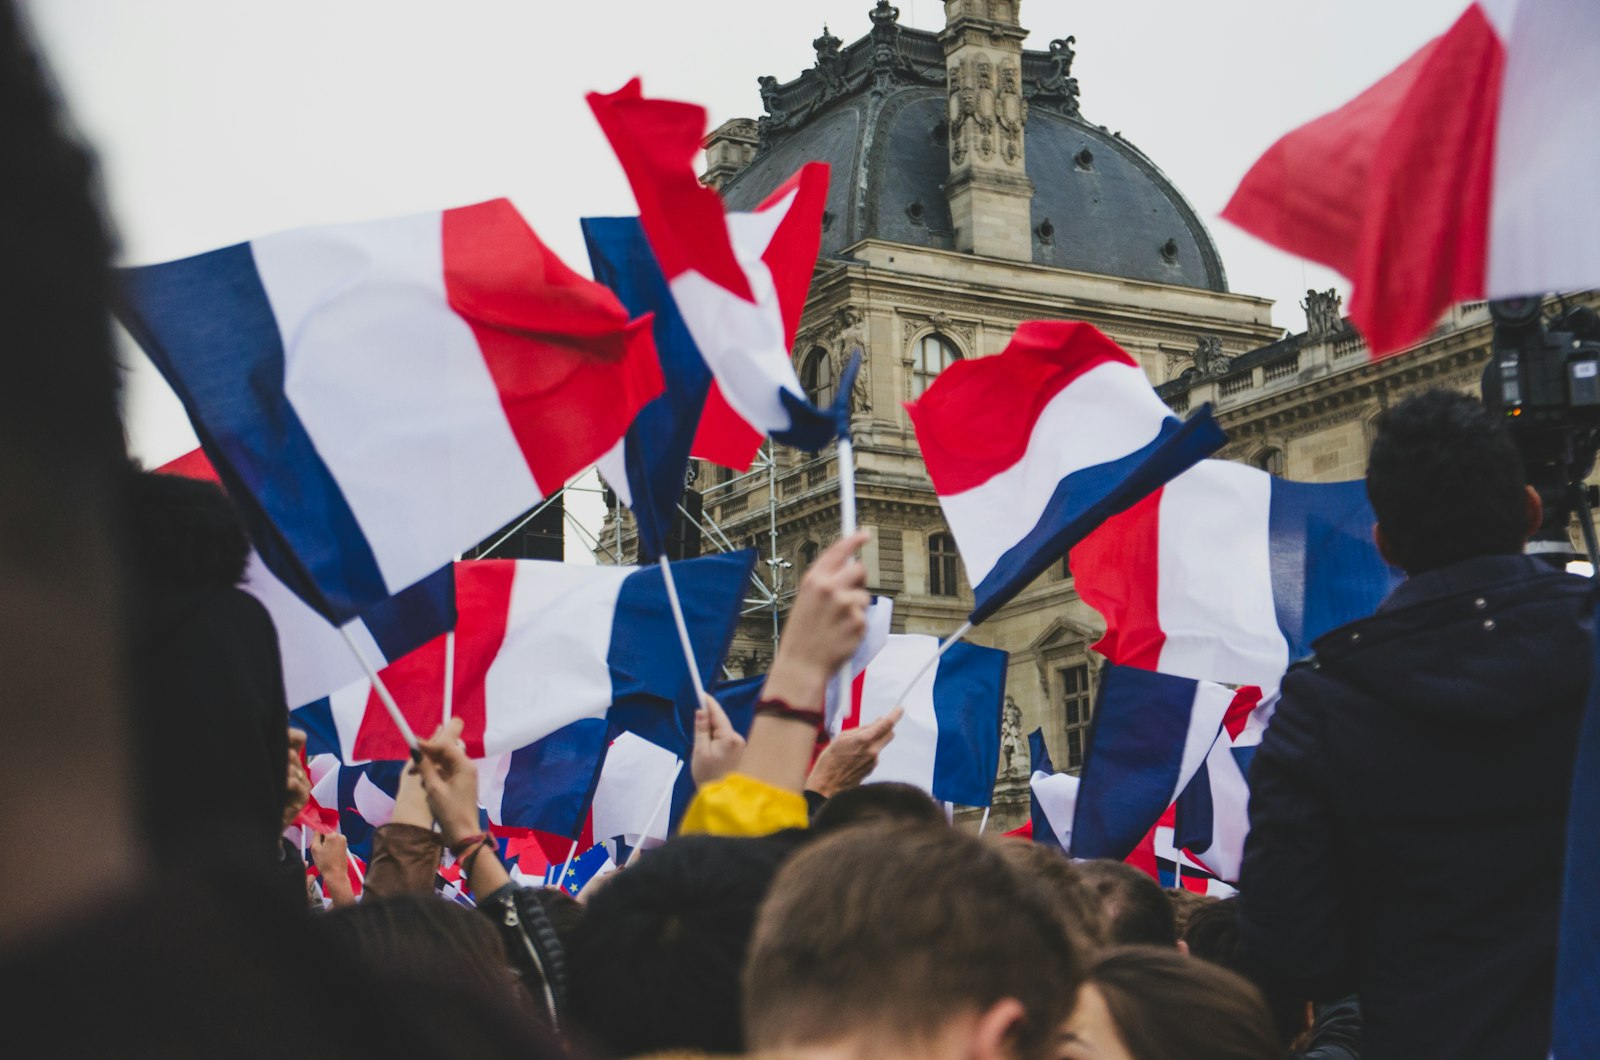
[(948, 741), (1032, 449), (738, 279), (1228, 574), (1052, 798), (378, 397), (1150, 735), (1212, 816), (1454, 177), (547, 786)]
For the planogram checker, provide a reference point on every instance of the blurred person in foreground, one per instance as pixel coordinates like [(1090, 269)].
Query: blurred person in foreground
[(1408, 805)]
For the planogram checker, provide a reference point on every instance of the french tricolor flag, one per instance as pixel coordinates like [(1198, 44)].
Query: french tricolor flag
[(948, 741), (379, 397), (1228, 573), (540, 645), (1032, 449), (547, 786), (1052, 798), (1466, 172), (1151, 734), (1211, 817), (739, 279), (1158, 855)]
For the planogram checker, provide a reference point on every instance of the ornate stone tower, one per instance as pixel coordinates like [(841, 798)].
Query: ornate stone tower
[(989, 191)]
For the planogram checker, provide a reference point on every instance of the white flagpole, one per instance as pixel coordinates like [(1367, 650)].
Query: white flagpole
[(1177, 871), (449, 672), (985, 822), (683, 635), (389, 704), (847, 526), (660, 805), (561, 877), (355, 865)]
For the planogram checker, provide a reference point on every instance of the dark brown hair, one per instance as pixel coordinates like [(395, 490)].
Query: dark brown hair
[(1170, 1007), (890, 931), (1074, 900)]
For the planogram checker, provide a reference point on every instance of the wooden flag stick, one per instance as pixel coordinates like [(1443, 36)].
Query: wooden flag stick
[(944, 646)]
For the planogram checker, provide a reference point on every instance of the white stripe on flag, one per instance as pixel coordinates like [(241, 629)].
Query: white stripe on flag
[(365, 324), (635, 774), (1211, 703), (1214, 577), (1085, 425), (910, 756), (558, 636)]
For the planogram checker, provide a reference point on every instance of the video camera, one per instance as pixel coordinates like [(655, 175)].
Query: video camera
[(1543, 380)]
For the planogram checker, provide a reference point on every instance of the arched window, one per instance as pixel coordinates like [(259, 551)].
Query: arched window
[(816, 375), (1270, 461), (942, 565), (931, 355), (808, 554)]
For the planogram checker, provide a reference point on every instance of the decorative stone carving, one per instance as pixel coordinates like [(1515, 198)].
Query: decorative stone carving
[(1058, 87), (1013, 748), (769, 100), (888, 64), (985, 109), (830, 64), (1209, 358), (1324, 315), (1012, 112)]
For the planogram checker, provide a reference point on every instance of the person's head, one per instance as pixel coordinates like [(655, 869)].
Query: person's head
[(424, 936), (1184, 904), (1135, 908), (1212, 935), (1447, 483), (909, 940), (882, 802), (654, 963), (1077, 902), (186, 533), (1153, 1003)]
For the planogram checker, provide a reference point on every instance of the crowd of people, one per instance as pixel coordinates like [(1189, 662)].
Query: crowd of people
[(1399, 896)]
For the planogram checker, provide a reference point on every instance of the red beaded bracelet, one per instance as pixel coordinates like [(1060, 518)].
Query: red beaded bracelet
[(777, 708), (466, 843)]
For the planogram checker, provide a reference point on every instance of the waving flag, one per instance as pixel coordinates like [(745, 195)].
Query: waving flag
[(1052, 798), (379, 397), (316, 660), (548, 785), (540, 645), (628, 802), (1151, 733), (738, 279), (1228, 574), (1032, 449), (1212, 816), (351, 800), (948, 742), (594, 862), (1157, 855), (1460, 175), (880, 615)]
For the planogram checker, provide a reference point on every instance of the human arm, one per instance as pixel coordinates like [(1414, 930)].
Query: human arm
[(451, 783), (718, 747), (851, 756), (331, 854), (405, 852)]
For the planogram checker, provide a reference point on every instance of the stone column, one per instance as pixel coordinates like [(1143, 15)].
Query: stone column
[(988, 189)]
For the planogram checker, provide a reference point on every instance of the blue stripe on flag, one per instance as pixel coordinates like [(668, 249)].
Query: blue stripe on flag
[(550, 783), (1326, 570), (412, 617), (1085, 499), (651, 691), (1043, 831), (316, 720), (968, 694), (656, 451), (207, 324), (357, 830), (1133, 760), (1194, 817)]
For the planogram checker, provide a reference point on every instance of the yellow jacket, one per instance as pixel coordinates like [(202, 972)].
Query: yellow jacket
[(738, 805)]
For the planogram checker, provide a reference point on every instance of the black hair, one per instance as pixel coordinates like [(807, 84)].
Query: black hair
[(1136, 909), (1213, 935), (880, 802), (654, 964), (1446, 482), (186, 532)]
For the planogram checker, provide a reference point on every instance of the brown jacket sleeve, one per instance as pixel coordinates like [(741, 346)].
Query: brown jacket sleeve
[(405, 858)]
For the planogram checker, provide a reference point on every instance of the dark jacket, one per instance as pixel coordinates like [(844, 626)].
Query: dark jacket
[(1408, 810)]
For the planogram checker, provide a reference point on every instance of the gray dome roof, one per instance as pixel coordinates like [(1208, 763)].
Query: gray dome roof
[(1099, 204)]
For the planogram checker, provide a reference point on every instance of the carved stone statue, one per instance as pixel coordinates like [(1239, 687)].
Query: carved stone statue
[(830, 64), (1059, 86), (1324, 315), (1209, 359), (985, 109), (1013, 748), (769, 99), (1013, 111), (962, 110)]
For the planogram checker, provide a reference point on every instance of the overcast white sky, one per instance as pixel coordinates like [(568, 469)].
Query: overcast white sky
[(219, 120)]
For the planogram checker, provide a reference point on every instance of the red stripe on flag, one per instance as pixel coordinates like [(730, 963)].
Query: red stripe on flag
[(1393, 188), (791, 255), (976, 419), (570, 369), (724, 437), (656, 141), (483, 600), (1245, 700), (1117, 572), (193, 464)]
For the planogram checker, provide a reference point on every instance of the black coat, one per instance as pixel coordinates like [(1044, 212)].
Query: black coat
[(1408, 811)]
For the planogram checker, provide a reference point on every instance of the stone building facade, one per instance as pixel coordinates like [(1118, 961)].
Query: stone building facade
[(969, 193)]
